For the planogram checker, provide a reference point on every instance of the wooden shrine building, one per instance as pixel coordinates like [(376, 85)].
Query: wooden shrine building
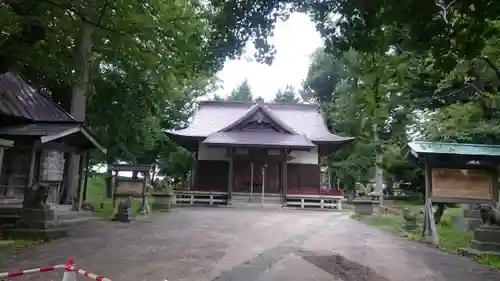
[(35, 136), (259, 148)]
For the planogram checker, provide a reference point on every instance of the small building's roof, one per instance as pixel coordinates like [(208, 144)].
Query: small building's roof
[(20, 99), (74, 134), (420, 148), (216, 116), (259, 138)]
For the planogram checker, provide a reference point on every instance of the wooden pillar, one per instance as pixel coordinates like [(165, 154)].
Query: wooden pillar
[(429, 230), (86, 178), (495, 186), (80, 189), (251, 181), (284, 175), (115, 177), (30, 179), (230, 178)]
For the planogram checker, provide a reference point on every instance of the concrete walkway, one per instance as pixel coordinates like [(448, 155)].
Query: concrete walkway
[(208, 244)]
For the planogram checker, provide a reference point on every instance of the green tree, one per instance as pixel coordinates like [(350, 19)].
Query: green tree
[(242, 93), (287, 95)]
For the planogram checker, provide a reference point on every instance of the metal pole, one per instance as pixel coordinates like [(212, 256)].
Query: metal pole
[(251, 181), (263, 185)]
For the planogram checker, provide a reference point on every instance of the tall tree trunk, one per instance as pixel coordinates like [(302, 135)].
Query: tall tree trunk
[(379, 173), (79, 102)]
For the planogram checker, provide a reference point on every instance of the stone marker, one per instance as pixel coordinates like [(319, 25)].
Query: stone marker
[(124, 211), (364, 206), (162, 201), (410, 218)]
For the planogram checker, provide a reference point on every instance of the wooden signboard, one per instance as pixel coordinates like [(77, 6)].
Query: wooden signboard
[(129, 187), (453, 185), (51, 166)]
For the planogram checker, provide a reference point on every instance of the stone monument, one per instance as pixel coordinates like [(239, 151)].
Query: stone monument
[(410, 223), (162, 201), (124, 211), (364, 206), (486, 238), (36, 219)]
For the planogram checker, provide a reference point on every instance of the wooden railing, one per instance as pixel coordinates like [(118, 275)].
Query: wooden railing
[(315, 198), (191, 197)]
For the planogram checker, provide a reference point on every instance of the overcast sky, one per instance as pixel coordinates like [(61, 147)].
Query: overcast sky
[(295, 40)]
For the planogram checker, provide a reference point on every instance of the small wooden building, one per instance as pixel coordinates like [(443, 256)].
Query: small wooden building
[(258, 148), (39, 132)]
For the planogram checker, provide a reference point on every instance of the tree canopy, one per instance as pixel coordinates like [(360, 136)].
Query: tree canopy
[(288, 95), (241, 93)]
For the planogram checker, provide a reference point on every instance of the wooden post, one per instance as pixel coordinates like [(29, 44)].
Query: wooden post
[(144, 208), (115, 177), (31, 171), (495, 186), (263, 185), (80, 189), (230, 180), (429, 230), (284, 177), (251, 181), (86, 178)]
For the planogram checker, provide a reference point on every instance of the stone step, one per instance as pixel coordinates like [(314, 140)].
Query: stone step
[(75, 221), (35, 234), (484, 246), (73, 215), (489, 235)]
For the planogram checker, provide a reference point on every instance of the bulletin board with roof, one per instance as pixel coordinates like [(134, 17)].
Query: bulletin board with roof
[(135, 187), (456, 173)]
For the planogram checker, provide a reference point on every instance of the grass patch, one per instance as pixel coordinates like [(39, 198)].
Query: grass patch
[(450, 240), (102, 206)]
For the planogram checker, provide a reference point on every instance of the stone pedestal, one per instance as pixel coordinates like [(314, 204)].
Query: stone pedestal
[(472, 218), (162, 202), (410, 225), (364, 206), (486, 240), (37, 224), (9, 216)]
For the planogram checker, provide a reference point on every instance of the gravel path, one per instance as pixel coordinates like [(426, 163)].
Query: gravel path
[(209, 244)]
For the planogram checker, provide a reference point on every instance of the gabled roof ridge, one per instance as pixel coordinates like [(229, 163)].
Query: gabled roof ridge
[(266, 111), (297, 106)]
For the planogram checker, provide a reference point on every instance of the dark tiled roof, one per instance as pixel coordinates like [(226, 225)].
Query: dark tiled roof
[(18, 98), (214, 116), (266, 111), (259, 138), (53, 131)]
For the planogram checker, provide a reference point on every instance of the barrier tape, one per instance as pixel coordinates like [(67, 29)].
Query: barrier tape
[(87, 273), (22, 272)]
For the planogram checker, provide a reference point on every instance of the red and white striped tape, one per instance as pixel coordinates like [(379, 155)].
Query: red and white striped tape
[(22, 272), (88, 274)]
